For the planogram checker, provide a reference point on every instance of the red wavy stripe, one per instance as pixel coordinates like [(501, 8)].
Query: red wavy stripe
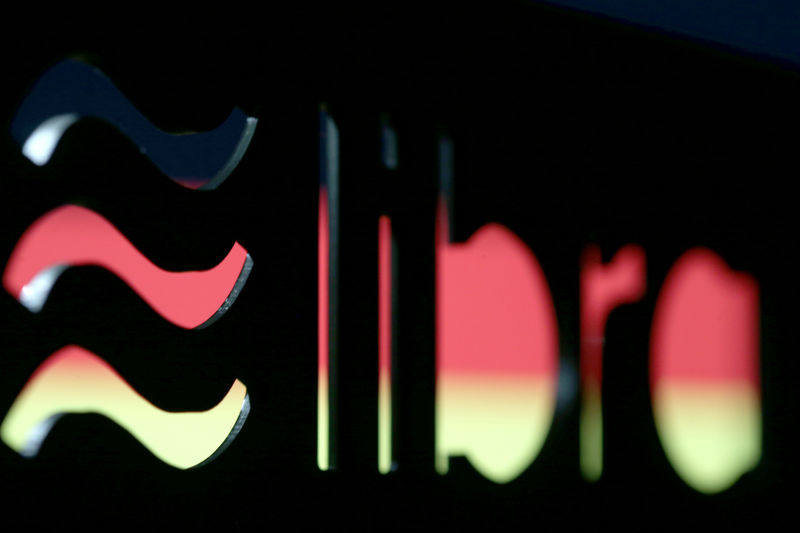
[(75, 236)]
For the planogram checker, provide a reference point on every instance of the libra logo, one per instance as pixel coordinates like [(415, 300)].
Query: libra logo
[(74, 380), (497, 358)]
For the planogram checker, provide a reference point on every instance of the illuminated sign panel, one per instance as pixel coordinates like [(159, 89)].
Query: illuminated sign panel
[(592, 330)]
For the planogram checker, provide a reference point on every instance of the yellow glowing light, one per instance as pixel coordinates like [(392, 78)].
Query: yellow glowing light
[(384, 424), (76, 381), (323, 423), (711, 432), (591, 433), (499, 424)]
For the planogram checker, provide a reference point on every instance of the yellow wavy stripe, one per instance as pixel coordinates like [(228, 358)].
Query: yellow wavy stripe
[(74, 380)]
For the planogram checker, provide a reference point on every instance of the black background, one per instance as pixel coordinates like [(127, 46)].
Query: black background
[(567, 129)]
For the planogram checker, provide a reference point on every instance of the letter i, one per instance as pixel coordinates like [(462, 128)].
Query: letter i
[(328, 267), (387, 300)]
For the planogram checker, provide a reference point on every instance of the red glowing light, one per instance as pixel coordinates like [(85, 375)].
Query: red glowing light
[(73, 236)]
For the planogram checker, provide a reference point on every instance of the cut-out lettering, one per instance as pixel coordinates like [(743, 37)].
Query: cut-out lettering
[(327, 289), (385, 334), (704, 371), (603, 287), (496, 350)]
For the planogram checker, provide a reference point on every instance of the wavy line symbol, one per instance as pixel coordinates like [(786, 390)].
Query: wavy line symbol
[(73, 236), (72, 90), (74, 380)]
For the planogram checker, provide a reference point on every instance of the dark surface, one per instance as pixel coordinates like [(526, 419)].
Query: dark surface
[(567, 129)]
